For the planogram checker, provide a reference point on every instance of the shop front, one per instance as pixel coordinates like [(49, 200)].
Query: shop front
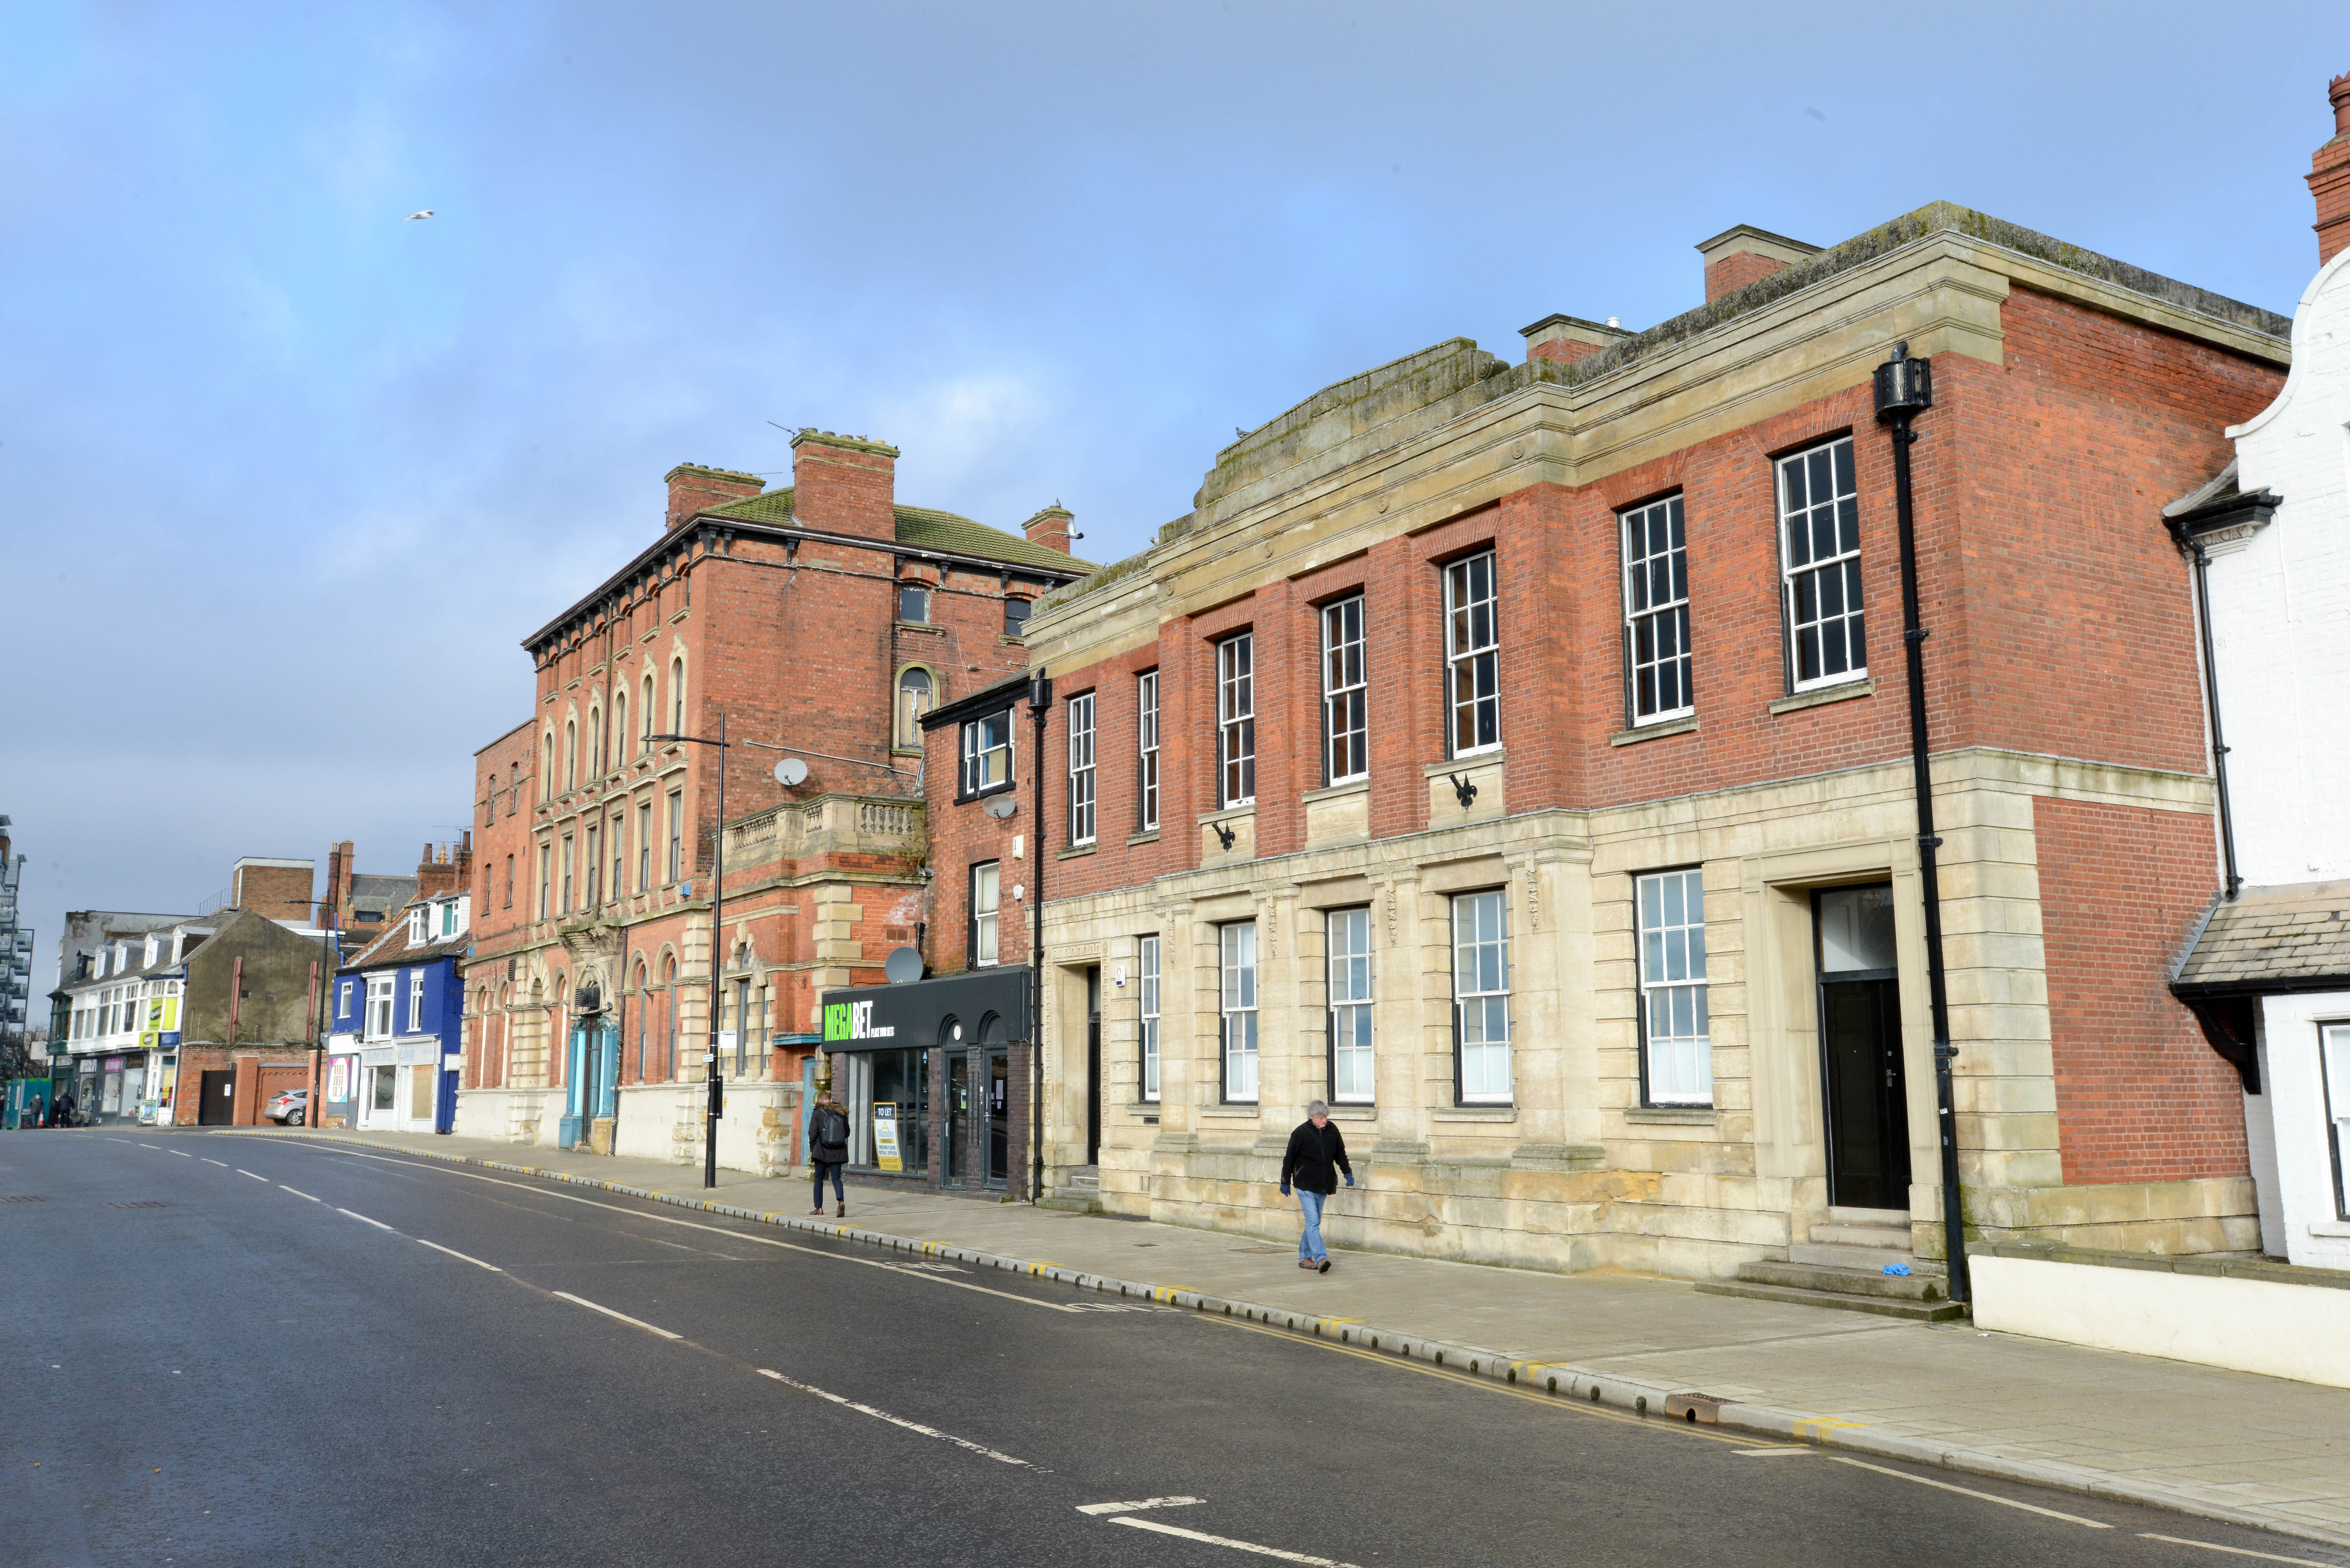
[(933, 1074)]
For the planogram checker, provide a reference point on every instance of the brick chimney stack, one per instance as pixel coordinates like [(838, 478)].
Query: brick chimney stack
[(1050, 527), (693, 488), (440, 874), (1567, 339), (1736, 257), (845, 485), (2329, 177)]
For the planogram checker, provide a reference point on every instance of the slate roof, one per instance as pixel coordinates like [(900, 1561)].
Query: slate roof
[(390, 950), (2271, 940), (922, 528)]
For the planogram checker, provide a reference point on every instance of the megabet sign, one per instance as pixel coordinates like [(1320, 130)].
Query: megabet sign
[(854, 1020)]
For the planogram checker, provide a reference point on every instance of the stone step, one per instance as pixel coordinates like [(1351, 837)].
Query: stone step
[(1882, 1306), (1829, 1232), (1838, 1255), (1916, 1286), (1846, 1216)]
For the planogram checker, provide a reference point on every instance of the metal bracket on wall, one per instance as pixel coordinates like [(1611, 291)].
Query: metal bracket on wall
[(1462, 790)]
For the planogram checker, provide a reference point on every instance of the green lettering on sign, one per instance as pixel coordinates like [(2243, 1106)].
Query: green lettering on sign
[(836, 1021)]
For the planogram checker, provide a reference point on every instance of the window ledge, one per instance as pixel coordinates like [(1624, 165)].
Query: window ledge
[(1634, 736), (1673, 1116), (1227, 813), (1150, 836), (1234, 1113), (1353, 1111), (1079, 853), (2328, 1228), (1475, 1114), (1843, 693), (1332, 791), (1144, 1106), (1474, 760), (929, 626), (680, 615)]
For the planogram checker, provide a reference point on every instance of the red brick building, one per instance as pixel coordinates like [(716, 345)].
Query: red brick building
[(816, 624), (1518, 756)]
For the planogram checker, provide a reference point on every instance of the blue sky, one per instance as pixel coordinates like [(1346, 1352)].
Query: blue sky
[(285, 479)]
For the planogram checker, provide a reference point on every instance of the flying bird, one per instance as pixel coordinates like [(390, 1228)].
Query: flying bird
[(413, 216)]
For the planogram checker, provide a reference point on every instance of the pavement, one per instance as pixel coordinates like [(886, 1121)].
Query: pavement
[(293, 1350), (2260, 1451)]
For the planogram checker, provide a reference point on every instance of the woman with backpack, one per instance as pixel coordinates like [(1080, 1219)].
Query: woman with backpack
[(828, 1137)]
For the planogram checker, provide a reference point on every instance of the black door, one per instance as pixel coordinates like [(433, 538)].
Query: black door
[(217, 1106), (1868, 1111), (957, 1122), (1093, 1065), (998, 1119)]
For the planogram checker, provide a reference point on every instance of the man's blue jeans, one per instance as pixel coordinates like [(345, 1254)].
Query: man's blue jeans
[(1309, 1246)]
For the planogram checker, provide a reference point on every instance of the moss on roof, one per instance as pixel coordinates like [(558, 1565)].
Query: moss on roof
[(923, 529)]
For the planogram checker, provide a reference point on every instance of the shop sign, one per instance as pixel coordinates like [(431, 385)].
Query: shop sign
[(160, 1029), (924, 1012), (885, 1138), (339, 1079)]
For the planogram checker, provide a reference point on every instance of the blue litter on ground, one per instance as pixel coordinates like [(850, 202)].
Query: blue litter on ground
[(1900, 1269)]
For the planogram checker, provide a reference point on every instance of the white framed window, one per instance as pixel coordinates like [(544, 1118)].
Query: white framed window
[(1147, 963), (1481, 995), (619, 844), (620, 727), (645, 732), (1676, 1053), (644, 845), (416, 928), (545, 859), (343, 1000), (914, 697), (378, 1006), (1146, 741), (590, 868), (1345, 695), (676, 834), (2333, 1061), (677, 696), (1081, 769), (1349, 955), (567, 863), (415, 1001), (1472, 655), (570, 755), (1236, 721), (1819, 545), (1238, 1006), (1656, 612), (986, 893), (449, 919), (986, 754)]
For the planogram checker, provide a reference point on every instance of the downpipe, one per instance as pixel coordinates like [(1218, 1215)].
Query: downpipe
[(1040, 704), (1904, 388)]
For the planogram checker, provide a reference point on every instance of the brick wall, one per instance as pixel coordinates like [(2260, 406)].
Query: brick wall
[(2139, 1095)]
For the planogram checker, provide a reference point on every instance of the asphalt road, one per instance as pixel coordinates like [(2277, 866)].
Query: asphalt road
[(231, 1349)]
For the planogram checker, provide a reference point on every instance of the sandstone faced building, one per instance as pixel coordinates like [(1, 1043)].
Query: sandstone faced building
[(815, 623), (1518, 757)]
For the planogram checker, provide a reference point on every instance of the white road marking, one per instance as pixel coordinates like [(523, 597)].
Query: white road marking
[(1966, 1491), (1768, 1453), (363, 1219), (183, 1153), (157, 1147), (740, 1236), (894, 1420), (208, 1160), (454, 1254), (296, 1192), (1152, 1524), (1137, 1507), (608, 1311), (2231, 1550), (242, 1171)]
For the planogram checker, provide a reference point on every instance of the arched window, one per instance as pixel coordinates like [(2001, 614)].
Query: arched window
[(546, 767), (570, 755), (677, 696), (668, 1049), (595, 743), (916, 697), (647, 743), (558, 1040), (644, 1005), (620, 726)]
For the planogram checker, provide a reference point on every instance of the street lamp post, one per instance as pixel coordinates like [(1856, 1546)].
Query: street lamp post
[(716, 1105)]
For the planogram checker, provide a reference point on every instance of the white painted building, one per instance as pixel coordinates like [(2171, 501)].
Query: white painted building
[(2268, 972)]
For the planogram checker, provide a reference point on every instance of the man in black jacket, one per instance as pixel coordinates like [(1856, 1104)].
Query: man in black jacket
[(1317, 1155), (827, 1137)]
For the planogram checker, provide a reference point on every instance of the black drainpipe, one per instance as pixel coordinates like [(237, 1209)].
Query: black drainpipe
[(1040, 703), (2185, 538), (1904, 388)]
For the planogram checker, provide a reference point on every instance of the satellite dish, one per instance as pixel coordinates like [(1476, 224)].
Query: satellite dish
[(790, 772), (902, 965), (1000, 806)]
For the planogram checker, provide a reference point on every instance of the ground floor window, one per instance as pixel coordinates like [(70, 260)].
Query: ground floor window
[(1677, 1053), (888, 1099), (1349, 932), (385, 1080), (1150, 1018), (1481, 995), (1238, 941)]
